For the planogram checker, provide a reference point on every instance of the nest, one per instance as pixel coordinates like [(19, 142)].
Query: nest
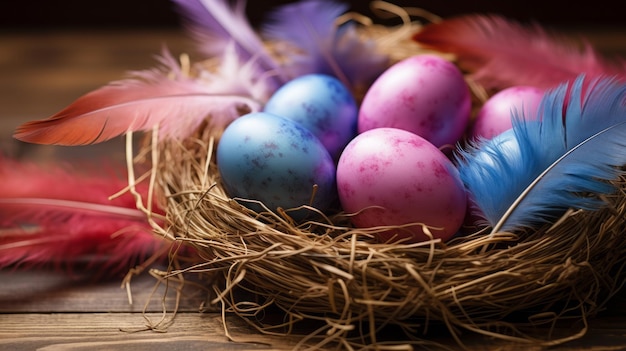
[(336, 284), (351, 287)]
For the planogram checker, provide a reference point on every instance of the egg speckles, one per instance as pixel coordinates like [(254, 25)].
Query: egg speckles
[(275, 161), (425, 94), (320, 103), (391, 177)]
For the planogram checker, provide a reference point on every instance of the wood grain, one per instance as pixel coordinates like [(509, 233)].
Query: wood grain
[(122, 331), (49, 292)]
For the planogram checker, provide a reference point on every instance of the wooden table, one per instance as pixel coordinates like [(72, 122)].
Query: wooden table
[(42, 310)]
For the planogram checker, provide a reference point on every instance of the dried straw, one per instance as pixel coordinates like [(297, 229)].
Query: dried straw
[(353, 287), (347, 289)]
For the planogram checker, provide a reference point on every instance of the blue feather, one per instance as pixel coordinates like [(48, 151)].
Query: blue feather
[(537, 170), (322, 45)]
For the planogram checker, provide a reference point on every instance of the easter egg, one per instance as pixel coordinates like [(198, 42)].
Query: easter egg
[(494, 116), (424, 94), (320, 103), (392, 177), (276, 161)]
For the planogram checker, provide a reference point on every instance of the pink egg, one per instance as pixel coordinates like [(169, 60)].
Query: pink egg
[(424, 94), (494, 117), (391, 177)]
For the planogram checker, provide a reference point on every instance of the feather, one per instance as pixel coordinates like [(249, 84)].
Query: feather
[(163, 97), (565, 159), (499, 52), (52, 216), (316, 44), (215, 24), (233, 76)]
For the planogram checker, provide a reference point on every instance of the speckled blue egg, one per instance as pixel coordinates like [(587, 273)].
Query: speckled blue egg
[(322, 104), (276, 161)]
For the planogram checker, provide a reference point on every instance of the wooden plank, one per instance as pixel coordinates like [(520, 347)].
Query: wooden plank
[(204, 331), (42, 72), (53, 311), (120, 331), (43, 291), (42, 310)]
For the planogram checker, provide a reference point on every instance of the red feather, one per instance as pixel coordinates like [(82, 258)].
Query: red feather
[(58, 217), (165, 97), (499, 52)]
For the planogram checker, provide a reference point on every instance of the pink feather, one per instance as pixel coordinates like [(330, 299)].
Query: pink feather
[(50, 216), (163, 97), (499, 52), (235, 76)]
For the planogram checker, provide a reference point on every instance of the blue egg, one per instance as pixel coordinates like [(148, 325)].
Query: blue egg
[(277, 161), (322, 104)]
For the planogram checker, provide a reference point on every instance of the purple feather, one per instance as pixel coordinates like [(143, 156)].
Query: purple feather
[(318, 45), (215, 24)]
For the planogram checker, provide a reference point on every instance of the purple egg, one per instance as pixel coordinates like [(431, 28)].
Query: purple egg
[(392, 177), (424, 94), (494, 117), (322, 104)]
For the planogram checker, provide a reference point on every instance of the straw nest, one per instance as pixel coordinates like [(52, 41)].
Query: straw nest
[(349, 288)]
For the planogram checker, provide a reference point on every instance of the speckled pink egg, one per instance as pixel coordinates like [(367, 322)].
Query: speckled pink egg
[(494, 117), (424, 94), (392, 177)]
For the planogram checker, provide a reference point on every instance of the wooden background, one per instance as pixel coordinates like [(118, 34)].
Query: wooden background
[(52, 52)]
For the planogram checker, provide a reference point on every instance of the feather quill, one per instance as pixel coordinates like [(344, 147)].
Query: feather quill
[(51, 216), (562, 160), (499, 52), (317, 44), (165, 97)]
